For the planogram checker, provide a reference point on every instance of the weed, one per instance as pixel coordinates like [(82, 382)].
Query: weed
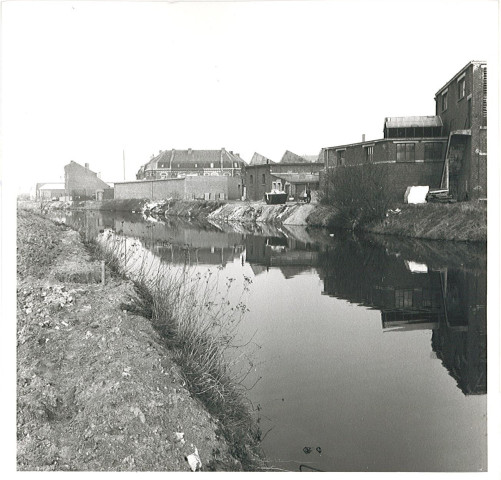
[(197, 321)]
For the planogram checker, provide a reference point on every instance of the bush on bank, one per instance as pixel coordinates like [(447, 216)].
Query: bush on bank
[(360, 194), (199, 325)]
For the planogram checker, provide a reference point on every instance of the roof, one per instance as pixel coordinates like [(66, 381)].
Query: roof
[(298, 177), (98, 183), (258, 159), (183, 159), (52, 186), (409, 122), (472, 62), (291, 157)]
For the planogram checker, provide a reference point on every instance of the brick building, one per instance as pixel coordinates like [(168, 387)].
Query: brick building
[(199, 187), (181, 163), (81, 183), (462, 106), (290, 176), (444, 151)]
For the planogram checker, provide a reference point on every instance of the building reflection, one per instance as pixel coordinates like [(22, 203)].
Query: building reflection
[(448, 300), (289, 255)]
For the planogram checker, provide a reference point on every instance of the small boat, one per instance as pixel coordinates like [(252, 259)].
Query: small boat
[(275, 197)]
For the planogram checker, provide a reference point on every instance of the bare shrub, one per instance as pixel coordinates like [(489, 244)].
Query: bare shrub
[(193, 312), (361, 193)]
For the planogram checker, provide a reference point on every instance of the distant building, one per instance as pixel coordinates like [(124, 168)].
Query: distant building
[(81, 183), (182, 163), (49, 191), (191, 187), (290, 176), (444, 151), (291, 157), (258, 159)]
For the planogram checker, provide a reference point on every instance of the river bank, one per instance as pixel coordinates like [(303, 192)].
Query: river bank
[(464, 221), (97, 388)]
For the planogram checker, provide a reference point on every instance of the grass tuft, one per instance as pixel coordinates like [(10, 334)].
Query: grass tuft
[(199, 324)]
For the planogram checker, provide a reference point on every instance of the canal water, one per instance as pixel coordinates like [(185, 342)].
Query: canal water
[(370, 353)]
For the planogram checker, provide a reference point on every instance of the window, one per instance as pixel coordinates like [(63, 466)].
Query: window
[(163, 175), (432, 151), (406, 152), (264, 179), (369, 154), (403, 298), (444, 101), (461, 87), (340, 157), (211, 165), (251, 180), (196, 165)]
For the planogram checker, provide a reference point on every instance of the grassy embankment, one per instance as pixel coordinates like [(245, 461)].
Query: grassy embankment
[(97, 389), (464, 221)]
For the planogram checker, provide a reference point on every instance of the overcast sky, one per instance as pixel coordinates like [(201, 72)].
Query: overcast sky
[(85, 81)]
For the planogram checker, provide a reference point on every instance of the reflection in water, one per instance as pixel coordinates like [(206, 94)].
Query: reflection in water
[(449, 301), (346, 311)]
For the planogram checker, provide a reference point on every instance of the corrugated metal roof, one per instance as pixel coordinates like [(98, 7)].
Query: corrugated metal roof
[(409, 122)]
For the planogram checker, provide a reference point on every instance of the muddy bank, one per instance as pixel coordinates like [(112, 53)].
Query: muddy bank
[(97, 389), (465, 221)]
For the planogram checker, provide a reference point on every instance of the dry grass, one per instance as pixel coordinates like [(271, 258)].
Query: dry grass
[(465, 221), (200, 325)]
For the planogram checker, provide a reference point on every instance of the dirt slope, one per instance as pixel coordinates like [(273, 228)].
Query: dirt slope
[(96, 388)]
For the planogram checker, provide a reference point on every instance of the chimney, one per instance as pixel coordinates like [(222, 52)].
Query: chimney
[(363, 137), (87, 166), (189, 151)]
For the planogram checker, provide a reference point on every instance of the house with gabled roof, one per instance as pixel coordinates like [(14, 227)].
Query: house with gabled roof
[(81, 183), (258, 159), (293, 175), (181, 163), (291, 157)]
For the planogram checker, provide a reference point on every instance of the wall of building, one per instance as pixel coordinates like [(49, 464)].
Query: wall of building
[(49, 194), (401, 174), (468, 112), (188, 188), (263, 176), (80, 181)]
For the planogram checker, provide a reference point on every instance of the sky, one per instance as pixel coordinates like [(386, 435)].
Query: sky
[(94, 81)]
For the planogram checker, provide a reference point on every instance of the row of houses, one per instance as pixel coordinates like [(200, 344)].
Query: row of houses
[(447, 151)]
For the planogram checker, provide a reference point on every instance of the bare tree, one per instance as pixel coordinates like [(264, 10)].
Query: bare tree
[(360, 193)]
